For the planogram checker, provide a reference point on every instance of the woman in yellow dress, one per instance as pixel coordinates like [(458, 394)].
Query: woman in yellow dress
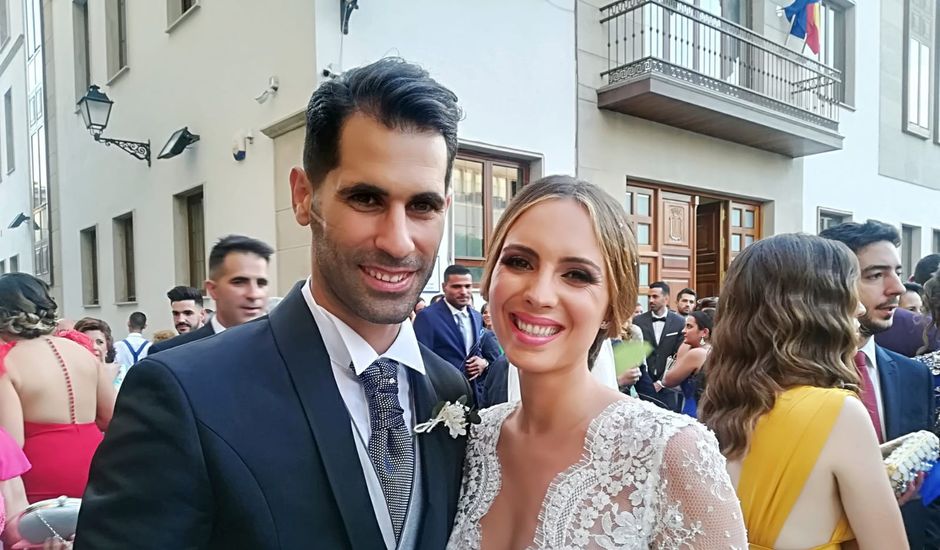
[(781, 396)]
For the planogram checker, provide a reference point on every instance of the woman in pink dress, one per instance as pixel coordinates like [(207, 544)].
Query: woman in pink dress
[(55, 398)]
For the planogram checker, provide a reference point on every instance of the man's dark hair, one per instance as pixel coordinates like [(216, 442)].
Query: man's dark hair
[(859, 235), (395, 93), (926, 267), (137, 320), (458, 270), (688, 291), (661, 286), (237, 243), (182, 293)]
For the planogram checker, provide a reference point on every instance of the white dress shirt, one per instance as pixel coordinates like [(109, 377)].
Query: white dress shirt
[(345, 346), (124, 356), (462, 318), (216, 325), (659, 327), (872, 361)]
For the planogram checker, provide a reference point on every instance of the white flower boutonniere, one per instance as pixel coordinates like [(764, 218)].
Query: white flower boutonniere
[(456, 417)]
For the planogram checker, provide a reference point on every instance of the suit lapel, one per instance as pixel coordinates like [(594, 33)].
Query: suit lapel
[(890, 393), (298, 339), (450, 324), (437, 451), (645, 322)]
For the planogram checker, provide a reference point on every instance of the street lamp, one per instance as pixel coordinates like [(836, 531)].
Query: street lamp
[(95, 107)]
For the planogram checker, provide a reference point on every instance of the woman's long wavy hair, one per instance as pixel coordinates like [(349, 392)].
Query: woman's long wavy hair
[(786, 319), (931, 308), (611, 229), (26, 308)]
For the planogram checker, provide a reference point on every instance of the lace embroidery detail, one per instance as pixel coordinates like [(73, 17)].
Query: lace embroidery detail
[(648, 478)]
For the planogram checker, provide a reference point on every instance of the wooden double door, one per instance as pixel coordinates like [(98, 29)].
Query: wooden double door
[(688, 239)]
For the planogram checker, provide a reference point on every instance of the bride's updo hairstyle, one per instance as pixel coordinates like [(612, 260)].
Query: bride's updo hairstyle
[(786, 319), (611, 230), (26, 309)]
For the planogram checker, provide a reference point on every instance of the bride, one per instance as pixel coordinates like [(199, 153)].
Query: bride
[(576, 464)]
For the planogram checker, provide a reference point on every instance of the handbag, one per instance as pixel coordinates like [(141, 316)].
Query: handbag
[(55, 518), (908, 456)]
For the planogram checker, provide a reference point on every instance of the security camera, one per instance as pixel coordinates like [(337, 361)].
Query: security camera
[(272, 88)]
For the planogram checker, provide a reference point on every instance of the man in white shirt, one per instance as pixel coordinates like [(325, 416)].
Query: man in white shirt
[(135, 347), (295, 430)]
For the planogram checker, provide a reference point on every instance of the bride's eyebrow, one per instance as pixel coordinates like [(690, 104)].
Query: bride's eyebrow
[(520, 249)]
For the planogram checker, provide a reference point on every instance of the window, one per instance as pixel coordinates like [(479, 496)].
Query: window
[(116, 20), (936, 241), (176, 9), (89, 258), (124, 272), (919, 32), (482, 188), (830, 218), (190, 237), (11, 151), (3, 267), (14, 264), (80, 47), (910, 248), (33, 25), (833, 42)]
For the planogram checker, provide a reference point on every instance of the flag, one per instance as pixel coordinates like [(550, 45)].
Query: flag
[(803, 16)]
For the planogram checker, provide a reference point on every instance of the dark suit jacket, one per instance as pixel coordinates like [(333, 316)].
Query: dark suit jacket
[(907, 399), (656, 363), (243, 441), (496, 383), (437, 329), (204, 331)]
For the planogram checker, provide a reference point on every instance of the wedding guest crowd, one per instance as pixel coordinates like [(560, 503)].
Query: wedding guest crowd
[(357, 415)]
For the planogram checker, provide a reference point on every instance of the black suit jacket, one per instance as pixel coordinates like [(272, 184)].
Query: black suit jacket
[(243, 441), (669, 343), (496, 383), (204, 331), (908, 403)]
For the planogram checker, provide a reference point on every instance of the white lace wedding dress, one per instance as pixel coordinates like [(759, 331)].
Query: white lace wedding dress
[(648, 478)]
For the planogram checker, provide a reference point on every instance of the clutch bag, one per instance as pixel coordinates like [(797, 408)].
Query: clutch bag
[(53, 518), (908, 456)]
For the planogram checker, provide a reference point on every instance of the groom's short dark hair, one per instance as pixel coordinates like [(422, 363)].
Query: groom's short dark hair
[(394, 92)]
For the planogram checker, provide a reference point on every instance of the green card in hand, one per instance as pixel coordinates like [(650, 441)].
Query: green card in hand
[(628, 355)]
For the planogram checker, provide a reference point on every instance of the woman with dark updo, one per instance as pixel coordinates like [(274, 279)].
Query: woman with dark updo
[(55, 397)]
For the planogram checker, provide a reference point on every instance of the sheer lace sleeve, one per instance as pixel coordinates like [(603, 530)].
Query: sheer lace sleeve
[(698, 506)]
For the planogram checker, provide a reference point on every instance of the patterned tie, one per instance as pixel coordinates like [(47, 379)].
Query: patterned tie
[(868, 393), (390, 446)]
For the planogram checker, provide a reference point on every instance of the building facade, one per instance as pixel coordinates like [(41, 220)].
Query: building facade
[(24, 219), (240, 79)]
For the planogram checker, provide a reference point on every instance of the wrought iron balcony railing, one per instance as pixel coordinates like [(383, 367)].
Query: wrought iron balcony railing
[(680, 41)]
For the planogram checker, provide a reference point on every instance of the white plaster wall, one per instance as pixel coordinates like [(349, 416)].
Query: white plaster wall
[(511, 63), (15, 188), (848, 180)]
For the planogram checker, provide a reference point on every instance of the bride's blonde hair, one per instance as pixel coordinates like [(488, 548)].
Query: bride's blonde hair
[(611, 230)]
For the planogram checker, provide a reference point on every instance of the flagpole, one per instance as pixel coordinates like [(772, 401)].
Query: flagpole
[(790, 31)]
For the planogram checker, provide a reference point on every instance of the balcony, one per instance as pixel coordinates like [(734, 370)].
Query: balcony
[(673, 63)]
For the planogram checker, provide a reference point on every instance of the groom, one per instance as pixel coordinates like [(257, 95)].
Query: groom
[(294, 430)]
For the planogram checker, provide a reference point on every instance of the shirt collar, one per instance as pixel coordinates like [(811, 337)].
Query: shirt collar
[(455, 311), (216, 325), (869, 350), (345, 345), (663, 316), (134, 335)]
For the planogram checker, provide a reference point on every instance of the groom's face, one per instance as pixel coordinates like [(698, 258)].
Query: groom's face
[(377, 220)]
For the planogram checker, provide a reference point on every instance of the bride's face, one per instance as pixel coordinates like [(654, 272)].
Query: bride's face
[(548, 295)]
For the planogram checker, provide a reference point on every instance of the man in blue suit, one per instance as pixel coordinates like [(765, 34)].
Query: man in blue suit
[(452, 329), (901, 401), (295, 430)]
